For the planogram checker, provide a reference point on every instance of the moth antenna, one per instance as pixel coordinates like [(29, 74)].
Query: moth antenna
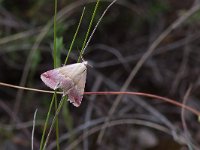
[(88, 64)]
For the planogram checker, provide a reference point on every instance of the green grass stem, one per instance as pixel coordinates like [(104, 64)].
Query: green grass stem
[(88, 31), (46, 122), (74, 37)]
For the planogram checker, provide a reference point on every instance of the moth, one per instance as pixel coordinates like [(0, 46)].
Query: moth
[(70, 78)]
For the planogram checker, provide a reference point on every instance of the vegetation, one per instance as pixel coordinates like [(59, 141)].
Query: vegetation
[(151, 47)]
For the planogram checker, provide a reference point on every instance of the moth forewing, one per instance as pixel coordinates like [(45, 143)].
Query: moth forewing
[(73, 71), (81, 82), (51, 78), (76, 94)]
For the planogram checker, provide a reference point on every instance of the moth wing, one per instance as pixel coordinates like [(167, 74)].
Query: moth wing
[(69, 69), (81, 83), (66, 84), (73, 71), (50, 78), (71, 66), (75, 95)]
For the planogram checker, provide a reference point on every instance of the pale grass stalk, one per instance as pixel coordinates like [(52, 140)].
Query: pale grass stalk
[(33, 130)]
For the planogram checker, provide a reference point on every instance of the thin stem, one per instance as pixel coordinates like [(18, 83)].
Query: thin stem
[(55, 36), (28, 89), (74, 37), (33, 130), (57, 123), (95, 28), (56, 65), (46, 122), (88, 31), (53, 121), (171, 101)]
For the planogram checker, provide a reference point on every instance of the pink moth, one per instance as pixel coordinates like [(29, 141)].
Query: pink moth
[(70, 78)]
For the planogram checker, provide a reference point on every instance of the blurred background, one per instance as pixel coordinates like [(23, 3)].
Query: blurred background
[(128, 30)]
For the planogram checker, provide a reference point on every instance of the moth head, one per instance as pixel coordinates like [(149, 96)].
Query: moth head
[(50, 78), (85, 63)]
